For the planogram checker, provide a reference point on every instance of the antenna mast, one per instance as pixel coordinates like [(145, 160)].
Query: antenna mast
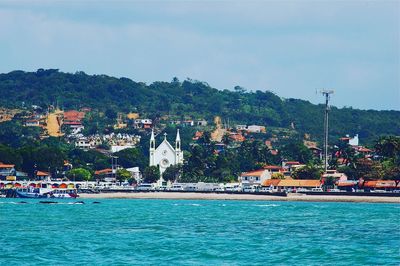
[(327, 94)]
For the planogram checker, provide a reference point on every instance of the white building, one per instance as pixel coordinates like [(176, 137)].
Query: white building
[(254, 178), (354, 140), (117, 148), (83, 143), (135, 173), (165, 155), (255, 129)]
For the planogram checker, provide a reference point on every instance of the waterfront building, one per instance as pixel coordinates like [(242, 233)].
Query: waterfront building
[(254, 178), (165, 154)]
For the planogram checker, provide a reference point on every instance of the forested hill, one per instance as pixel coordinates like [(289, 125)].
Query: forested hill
[(188, 98)]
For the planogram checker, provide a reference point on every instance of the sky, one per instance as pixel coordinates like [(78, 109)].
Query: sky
[(292, 48)]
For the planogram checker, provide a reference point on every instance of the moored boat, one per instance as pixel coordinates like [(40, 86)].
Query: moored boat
[(32, 192), (63, 193), (45, 193)]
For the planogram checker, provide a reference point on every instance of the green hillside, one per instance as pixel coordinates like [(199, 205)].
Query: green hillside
[(194, 98)]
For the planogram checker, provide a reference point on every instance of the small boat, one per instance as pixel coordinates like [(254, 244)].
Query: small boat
[(63, 193), (32, 192), (60, 193)]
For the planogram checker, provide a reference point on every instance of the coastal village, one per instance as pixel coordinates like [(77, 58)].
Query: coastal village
[(129, 129)]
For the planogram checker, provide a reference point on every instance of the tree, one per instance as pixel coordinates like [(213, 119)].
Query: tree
[(277, 176), (79, 174), (151, 174), (388, 146), (123, 175), (172, 173), (131, 158), (307, 172), (329, 182), (296, 151)]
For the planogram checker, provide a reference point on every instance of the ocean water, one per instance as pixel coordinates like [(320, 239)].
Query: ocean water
[(208, 232)]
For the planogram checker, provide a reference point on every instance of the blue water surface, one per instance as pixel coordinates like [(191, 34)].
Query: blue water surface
[(194, 232)]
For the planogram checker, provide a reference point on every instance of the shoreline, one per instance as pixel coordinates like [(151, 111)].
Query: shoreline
[(221, 196)]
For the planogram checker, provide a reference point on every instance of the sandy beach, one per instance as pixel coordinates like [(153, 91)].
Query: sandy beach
[(212, 196)]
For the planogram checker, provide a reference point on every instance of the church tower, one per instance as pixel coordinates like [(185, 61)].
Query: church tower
[(178, 151), (152, 148)]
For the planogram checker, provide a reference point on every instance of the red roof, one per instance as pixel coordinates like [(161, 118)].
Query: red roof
[(362, 149), (269, 182), (73, 123), (346, 184), (273, 167), (103, 171), (41, 173), (7, 165), (253, 173), (299, 183), (292, 163), (73, 115), (237, 137), (380, 184)]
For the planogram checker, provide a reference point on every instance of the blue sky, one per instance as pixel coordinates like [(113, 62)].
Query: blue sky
[(289, 47)]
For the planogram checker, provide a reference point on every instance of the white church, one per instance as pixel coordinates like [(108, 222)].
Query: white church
[(165, 154)]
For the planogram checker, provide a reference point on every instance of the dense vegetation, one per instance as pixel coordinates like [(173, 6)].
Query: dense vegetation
[(194, 98)]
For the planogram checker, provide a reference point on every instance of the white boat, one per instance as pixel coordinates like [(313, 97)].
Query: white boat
[(31, 192)]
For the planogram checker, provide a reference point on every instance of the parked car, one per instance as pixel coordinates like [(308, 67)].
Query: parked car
[(144, 187), (317, 189)]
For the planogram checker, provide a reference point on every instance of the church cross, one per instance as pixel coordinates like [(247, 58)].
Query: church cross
[(165, 135)]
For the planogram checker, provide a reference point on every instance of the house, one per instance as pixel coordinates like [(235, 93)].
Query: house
[(271, 183), (274, 169), (339, 177), (75, 127), (254, 178), (237, 137), (201, 123), (348, 185), (188, 123), (7, 170), (73, 116), (292, 184), (135, 173), (83, 143), (291, 165), (32, 123), (107, 175), (241, 127), (41, 175), (387, 185), (143, 123), (351, 141), (117, 148), (256, 129)]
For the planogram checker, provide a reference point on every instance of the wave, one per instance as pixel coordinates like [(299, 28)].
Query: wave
[(267, 205)]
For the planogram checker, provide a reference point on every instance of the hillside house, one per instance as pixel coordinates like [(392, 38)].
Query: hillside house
[(256, 129), (32, 123), (143, 123)]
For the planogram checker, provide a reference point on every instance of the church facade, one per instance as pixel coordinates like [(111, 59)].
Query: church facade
[(165, 154)]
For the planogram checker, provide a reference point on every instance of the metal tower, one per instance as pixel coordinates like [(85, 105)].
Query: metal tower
[(327, 94)]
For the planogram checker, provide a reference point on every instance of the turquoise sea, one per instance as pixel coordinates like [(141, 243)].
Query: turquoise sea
[(187, 232)]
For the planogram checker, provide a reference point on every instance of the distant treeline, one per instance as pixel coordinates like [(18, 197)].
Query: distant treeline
[(189, 98)]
